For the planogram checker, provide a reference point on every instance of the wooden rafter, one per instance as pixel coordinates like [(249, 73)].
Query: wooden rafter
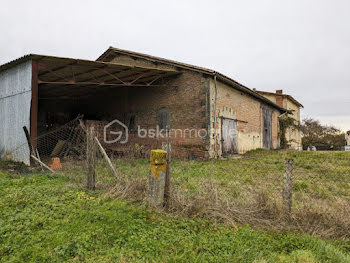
[(123, 76), (89, 83), (78, 74), (114, 76), (155, 79), (75, 74), (139, 77), (57, 68)]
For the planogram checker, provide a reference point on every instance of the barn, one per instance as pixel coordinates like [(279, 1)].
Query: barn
[(202, 112)]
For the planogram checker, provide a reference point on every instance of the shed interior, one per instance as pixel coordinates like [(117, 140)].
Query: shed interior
[(95, 90)]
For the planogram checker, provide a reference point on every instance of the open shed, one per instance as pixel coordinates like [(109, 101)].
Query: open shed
[(44, 92)]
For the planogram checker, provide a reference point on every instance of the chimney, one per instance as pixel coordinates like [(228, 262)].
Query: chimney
[(279, 97)]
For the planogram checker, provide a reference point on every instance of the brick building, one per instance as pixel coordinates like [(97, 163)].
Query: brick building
[(206, 113), (201, 98), (286, 101)]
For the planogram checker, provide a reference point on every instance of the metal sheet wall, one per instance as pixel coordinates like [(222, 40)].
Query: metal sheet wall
[(15, 100)]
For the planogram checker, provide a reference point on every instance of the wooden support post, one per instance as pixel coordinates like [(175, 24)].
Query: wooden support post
[(91, 158), (156, 184), (287, 193), (102, 150), (30, 146), (106, 158), (42, 164), (167, 147)]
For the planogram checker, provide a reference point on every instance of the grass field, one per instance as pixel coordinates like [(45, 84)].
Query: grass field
[(247, 190), (51, 219), (220, 211)]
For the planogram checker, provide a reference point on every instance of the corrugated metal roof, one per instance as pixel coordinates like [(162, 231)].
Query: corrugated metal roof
[(203, 70), (64, 59), (100, 61), (81, 77)]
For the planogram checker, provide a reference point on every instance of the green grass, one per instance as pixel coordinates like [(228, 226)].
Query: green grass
[(321, 190), (323, 175), (47, 218)]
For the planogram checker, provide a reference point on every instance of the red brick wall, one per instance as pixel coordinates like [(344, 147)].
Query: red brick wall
[(186, 98), (189, 98)]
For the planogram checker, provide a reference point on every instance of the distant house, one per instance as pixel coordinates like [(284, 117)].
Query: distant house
[(286, 101), (347, 138), (141, 92)]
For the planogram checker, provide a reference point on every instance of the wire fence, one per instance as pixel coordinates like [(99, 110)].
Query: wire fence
[(298, 190)]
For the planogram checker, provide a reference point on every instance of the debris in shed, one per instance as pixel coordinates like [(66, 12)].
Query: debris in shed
[(60, 146), (56, 164)]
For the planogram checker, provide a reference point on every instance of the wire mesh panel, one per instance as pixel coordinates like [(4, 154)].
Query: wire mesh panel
[(68, 140)]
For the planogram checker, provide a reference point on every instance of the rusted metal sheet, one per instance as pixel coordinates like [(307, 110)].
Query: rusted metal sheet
[(15, 100), (229, 136)]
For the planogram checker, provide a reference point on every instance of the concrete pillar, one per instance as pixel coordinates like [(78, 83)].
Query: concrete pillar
[(157, 177)]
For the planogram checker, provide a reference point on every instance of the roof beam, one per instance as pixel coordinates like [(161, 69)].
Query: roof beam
[(54, 69), (91, 83)]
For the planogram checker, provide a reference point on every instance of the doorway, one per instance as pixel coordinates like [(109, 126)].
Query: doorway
[(267, 128), (229, 136)]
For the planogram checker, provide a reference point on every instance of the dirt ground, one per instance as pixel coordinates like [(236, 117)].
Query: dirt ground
[(17, 167)]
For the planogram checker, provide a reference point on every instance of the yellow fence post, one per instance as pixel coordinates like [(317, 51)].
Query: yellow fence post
[(157, 176)]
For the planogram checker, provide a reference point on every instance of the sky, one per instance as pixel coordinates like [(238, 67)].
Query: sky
[(300, 46)]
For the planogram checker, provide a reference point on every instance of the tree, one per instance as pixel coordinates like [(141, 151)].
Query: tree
[(322, 136)]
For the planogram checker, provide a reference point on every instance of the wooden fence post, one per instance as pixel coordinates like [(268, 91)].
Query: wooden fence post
[(91, 158), (167, 147), (156, 183), (287, 193)]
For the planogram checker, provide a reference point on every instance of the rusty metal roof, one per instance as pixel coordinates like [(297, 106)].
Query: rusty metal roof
[(78, 77), (112, 50)]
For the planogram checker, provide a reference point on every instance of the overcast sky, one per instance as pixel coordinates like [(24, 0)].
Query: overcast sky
[(300, 46)]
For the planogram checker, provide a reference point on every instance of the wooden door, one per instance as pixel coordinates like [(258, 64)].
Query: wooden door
[(267, 128), (229, 136)]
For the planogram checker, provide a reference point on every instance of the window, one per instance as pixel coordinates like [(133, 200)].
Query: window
[(164, 119)]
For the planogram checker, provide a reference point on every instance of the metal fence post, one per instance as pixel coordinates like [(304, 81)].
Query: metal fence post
[(287, 192), (157, 177), (91, 158)]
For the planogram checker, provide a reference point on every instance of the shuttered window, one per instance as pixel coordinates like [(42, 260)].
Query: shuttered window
[(164, 119)]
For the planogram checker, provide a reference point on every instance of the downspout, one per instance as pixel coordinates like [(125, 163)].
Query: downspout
[(215, 100)]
